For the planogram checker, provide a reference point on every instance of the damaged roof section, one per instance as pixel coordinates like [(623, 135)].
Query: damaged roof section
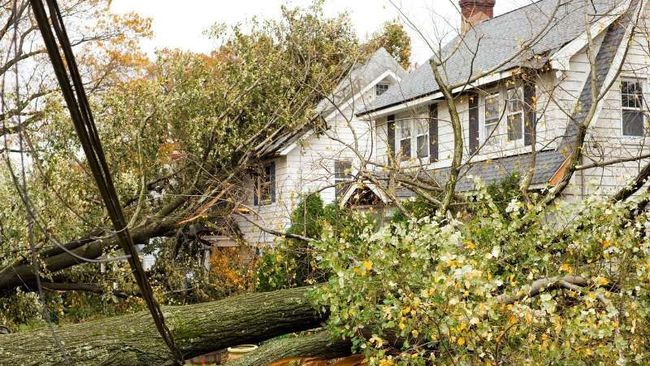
[(361, 76)]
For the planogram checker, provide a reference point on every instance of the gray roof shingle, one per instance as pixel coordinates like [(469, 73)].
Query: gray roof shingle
[(495, 170), (544, 26)]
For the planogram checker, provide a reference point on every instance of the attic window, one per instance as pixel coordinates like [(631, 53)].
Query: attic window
[(380, 89), (632, 107)]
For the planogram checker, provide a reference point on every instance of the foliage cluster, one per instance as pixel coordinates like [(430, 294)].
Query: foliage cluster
[(432, 291)]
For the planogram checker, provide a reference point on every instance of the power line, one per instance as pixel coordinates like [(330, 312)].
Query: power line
[(67, 73)]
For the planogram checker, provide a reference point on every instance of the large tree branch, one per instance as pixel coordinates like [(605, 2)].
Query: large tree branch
[(575, 283), (631, 188), (22, 273)]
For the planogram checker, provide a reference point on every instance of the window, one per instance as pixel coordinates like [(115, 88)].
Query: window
[(515, 115), (491, 115), (632, 107), (405, 139), (342, 176), (414, 138), (422, 137), (265, 186), (380, 89)]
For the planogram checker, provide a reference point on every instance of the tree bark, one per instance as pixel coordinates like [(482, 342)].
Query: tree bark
[(197, 329), (319, 344)]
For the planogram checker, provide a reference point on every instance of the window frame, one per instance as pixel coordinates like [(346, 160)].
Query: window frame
[(401, 138), (414, 134), (509, 113), (496, 121), (424, 132), (383, 86), (341, 178), (639, 109), (268, 174)]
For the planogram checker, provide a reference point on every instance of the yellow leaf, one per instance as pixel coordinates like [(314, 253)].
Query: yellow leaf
[(602, 281), (461, 341), (367, 265)]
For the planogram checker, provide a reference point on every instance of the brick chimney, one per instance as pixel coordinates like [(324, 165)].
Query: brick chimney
[(474, 12)]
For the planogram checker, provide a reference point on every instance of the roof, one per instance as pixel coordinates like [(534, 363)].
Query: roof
[(547, 163), (360, 76), (495, 170), (501, 43)]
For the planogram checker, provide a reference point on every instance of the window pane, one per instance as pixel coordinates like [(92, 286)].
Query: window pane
[(626, 87), (421, 126), (423, 146), (492, 107), (632, 123), (265, 185), (489, 129), (631, 94), (342, 169), (405, 148), (405, 129), (515, 127), (381, 88), (342, 176), (265, 192), (626, 102), (515, 100)]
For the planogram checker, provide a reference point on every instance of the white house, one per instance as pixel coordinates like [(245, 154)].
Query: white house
[(315, 159), (522, 83), (532, 74)]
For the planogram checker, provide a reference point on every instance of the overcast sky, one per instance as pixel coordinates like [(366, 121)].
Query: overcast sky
[(182, 26)]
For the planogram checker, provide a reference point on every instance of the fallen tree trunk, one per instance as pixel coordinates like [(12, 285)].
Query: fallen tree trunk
[(319, 344), (197, 329)]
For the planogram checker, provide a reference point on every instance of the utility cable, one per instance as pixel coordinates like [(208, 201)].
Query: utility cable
[(55, 38)]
